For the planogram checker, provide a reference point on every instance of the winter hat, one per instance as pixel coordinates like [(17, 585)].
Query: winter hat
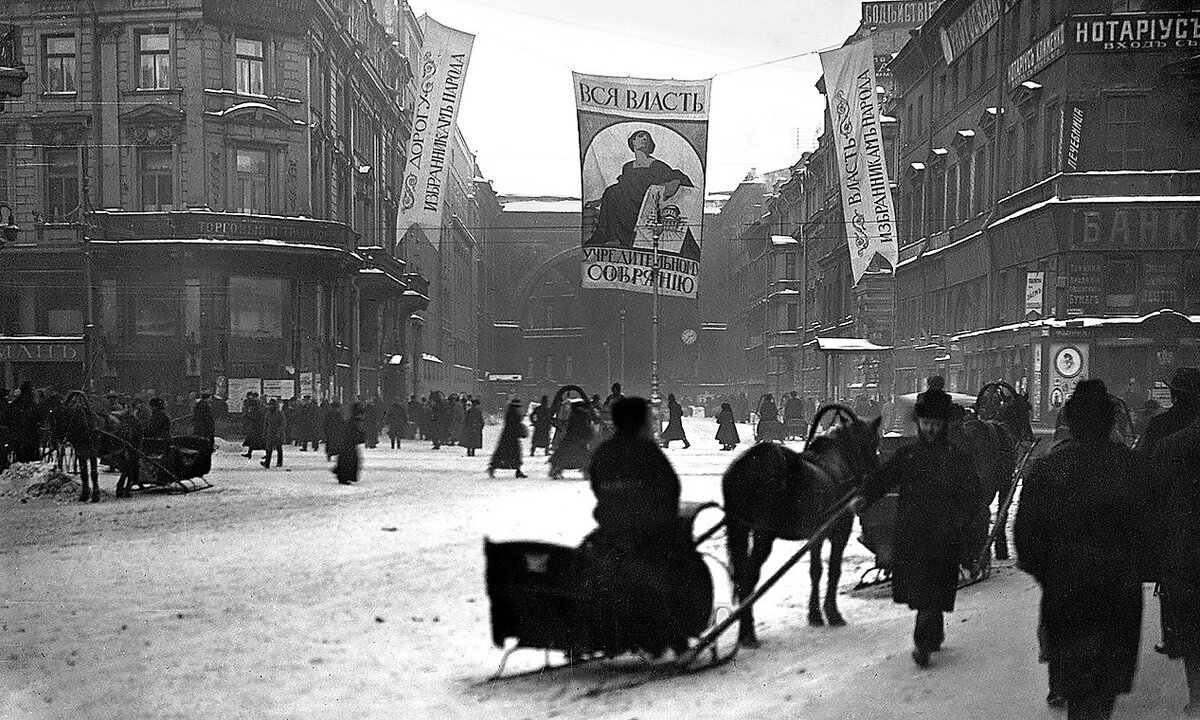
[(934, 404), (1090, 412)]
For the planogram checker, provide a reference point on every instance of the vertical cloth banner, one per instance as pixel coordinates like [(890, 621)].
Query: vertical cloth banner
[(866, 196), (441, 70), (643, 148)]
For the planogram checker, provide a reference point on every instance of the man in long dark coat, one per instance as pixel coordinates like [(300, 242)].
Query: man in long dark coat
[(542, 420), (203, 424), (1178, 461), (332, 428), (1185, 407), (25, 421), (1080, 532), (939, 497)]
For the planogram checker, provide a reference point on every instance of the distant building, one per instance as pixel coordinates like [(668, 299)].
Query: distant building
[(1049, 196), (223, 176)]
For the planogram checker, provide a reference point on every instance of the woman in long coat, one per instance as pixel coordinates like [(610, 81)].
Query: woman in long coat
[(542, 420), (939, 497), (573, 453), (1080, 532), (768, 420), (1178, 457), (727, 432), (252, 428), (472, 434), (507, 455), (674, 428), (346, 469)]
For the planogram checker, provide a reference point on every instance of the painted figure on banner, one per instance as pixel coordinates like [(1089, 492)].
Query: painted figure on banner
[(648, 192), (655, 198)]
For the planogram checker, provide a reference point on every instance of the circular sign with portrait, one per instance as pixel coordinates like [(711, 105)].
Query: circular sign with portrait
[(688, 337), (1068, 362)]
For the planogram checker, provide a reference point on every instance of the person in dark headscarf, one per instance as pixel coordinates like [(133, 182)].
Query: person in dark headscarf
[(727, 432), (507, 455), (348, 456), (472, 433), (674, 429), (542, 420), (939, 497), (1080, 532), (573, 452)]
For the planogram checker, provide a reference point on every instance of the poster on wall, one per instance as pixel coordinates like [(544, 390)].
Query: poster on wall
[(238, 387), (854, 106), (1068, 365), (643, 148), (284, 389)]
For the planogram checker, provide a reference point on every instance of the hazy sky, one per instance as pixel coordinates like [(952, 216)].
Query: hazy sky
[(518, 113)]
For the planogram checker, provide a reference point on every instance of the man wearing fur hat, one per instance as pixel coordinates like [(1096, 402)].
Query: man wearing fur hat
[(939, 497), (1185, 407)]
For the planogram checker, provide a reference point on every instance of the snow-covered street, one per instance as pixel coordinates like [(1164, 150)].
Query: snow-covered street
[(281, 594)]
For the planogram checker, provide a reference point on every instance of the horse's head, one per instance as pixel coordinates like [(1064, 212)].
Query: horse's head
[(857, 440)]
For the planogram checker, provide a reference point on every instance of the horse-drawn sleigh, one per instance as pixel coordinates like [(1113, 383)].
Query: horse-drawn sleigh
[(553, 597)]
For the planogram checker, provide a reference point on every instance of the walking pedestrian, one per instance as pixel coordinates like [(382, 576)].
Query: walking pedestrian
[(1185, 407), (332, 427), (674, 429), (274, 432), (203, 424), (1178, 461), (939, 496), (472, 434), (727, 432), (768, 420), (572, 453), (542, 420), (252, 425), (397, 421), (348, 439), (1080, 532), (507, 455)]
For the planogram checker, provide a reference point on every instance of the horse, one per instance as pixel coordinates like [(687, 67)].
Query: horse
[(994, 438), (772, 492)]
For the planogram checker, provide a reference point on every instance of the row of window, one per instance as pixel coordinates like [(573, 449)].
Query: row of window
[(60, 63), (551, 365)]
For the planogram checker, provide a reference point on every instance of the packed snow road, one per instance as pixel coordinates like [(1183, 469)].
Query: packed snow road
[(280, 594)]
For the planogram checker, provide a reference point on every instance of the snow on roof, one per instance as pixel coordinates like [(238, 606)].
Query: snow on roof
[(1085, 322), (431, 358), (556, 206), (41, 338), (223, 243), (837, 344), (783, 240)]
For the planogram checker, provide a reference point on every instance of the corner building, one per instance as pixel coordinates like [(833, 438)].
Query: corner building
[(206, 194), (1049, 196)]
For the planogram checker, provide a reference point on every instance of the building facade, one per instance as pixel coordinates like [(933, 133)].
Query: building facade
[(206, 191), (1048, 196)]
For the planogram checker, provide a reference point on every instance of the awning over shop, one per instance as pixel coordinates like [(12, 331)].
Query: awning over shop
[(849, 345)]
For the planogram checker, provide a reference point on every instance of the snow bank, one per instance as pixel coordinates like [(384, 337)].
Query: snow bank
[(37, 480)]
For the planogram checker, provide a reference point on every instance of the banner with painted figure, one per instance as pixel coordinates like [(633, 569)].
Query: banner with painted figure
[(643, 147), (854, 108), (441, 70)]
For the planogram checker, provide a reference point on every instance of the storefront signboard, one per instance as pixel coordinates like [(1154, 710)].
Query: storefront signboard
[(1160, 286), (976, 20), (1045, 51), (1134, 228), (1135, 32), (23, 351), (1085, 284), (892, 13), (1035, 286), (1068, 365)]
